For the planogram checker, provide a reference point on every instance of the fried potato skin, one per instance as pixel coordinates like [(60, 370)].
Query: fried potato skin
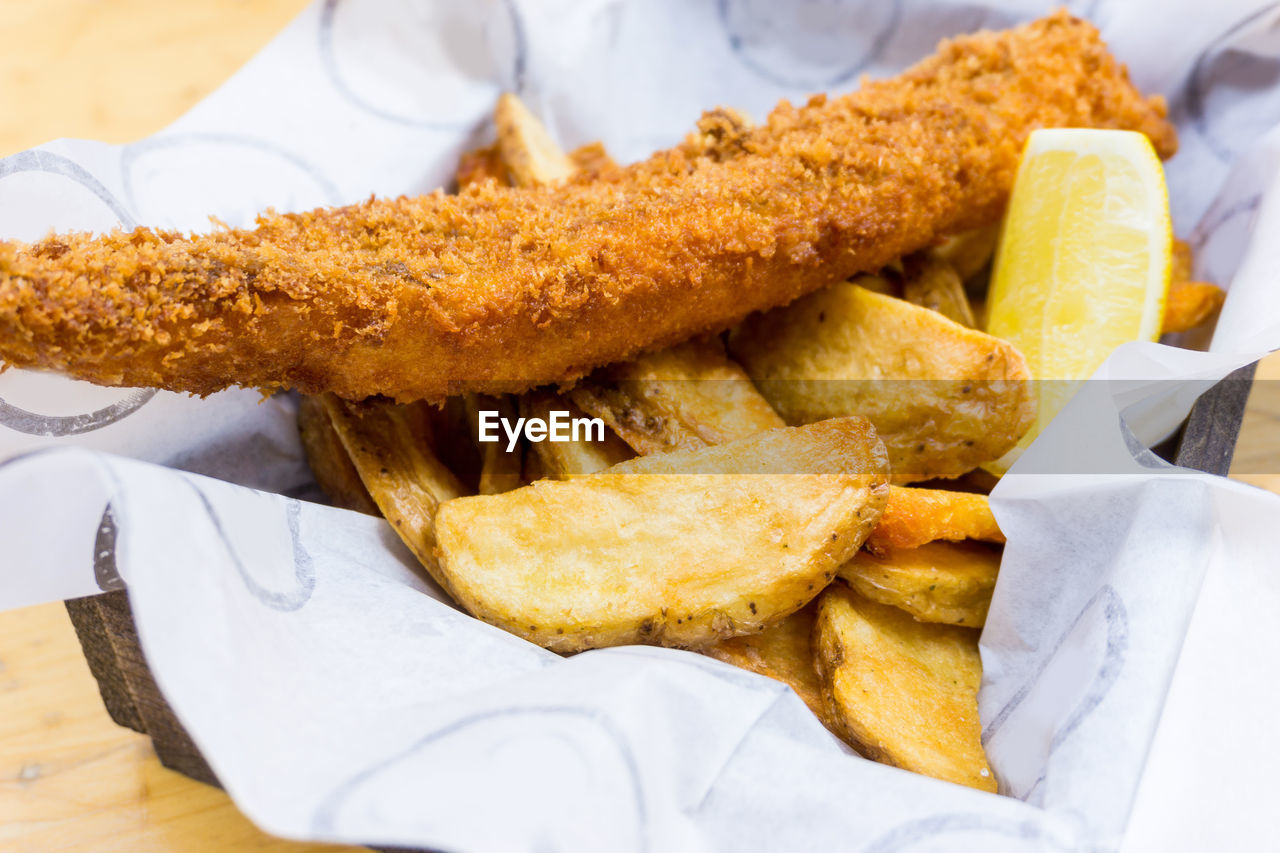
[(915, 516), (389, 446), (931, 282), (903, 692), (688, 396), (970, 252), (948, 582), (783, 652), (529, 153), (669, 549), (498, 289), (943, 398), (329, 461)]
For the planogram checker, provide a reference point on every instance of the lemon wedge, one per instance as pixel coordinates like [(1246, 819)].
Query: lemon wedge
[(1083, 261)]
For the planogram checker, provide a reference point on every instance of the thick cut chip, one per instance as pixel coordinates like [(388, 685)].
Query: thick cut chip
[(328, 459), (903, 692), (390, 447), (931, 282), (888, 281), (947, 582), (528, 151), (783, 652), (685, 397), (679, 549), (944, 398), (916, 516), (970, 252), (561, 460)]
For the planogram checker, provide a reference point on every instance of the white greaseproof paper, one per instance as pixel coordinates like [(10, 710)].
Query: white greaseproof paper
[(339, 698)]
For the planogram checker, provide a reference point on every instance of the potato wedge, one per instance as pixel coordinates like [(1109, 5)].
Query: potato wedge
[(949, 582), (680, 549), (390, 447), (561, 460), (913, 517), (931, 282), (903, 692), (943, 398), (684, 397), (783, 652), (888, 281), (970, 252), (328, 459), (528, 151)]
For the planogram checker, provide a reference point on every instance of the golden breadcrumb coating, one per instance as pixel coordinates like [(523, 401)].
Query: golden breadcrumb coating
[(498, 289)]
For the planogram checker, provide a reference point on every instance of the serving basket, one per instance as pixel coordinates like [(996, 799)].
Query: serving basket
[(105, 627)]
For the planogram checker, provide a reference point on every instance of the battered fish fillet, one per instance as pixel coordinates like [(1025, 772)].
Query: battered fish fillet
[(499, 289)]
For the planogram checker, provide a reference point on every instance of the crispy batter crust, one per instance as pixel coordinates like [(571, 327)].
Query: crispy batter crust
[(498, 289)]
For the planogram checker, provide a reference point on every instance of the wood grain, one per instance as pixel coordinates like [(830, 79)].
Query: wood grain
[(117, 70), (1257, 458)]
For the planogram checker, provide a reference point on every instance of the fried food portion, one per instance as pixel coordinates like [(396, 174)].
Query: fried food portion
[(783, 652), (888, 281), (665, 549), (592, 161), (329, 461), (931, 282), (482, 164), (903, 692), (529, 153), (970, 252), (500, 289), (944, 398), (913, 517), (687, 396), (390, 446), (949, 582), (1188, 303), (561, 460)]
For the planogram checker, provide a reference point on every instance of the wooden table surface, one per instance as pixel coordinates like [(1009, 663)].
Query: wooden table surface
[(70, 779)]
